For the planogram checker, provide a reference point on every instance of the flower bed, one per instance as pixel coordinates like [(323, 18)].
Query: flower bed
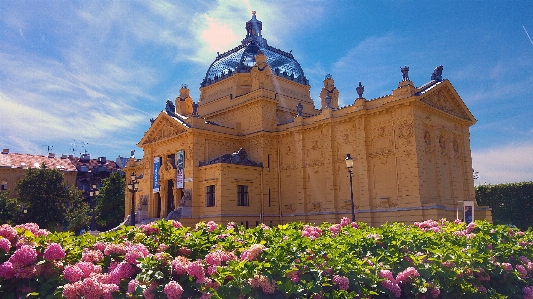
[(431, 259)]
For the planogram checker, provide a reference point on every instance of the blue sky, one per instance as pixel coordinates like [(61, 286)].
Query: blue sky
[(92, 73)]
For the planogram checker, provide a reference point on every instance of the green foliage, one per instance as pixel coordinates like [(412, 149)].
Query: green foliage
[(110, 202), (50, 201), (348, 260), (511, 204), (9, 209)]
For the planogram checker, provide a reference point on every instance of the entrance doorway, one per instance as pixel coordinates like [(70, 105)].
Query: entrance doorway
[(170, 196)]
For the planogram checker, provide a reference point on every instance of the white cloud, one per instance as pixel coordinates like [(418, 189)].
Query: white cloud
[(504, 164)]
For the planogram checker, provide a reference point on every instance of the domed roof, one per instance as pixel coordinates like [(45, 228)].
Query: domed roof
[(241, 59)]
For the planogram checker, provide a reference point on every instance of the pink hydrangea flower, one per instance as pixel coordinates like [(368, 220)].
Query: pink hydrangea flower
[(345, 221), (176, 224), (173, 290), (54, 252), (72, 273), (521, 270), (507, 267), (196, 270), (341, 281), (5, 244), (435, 292), (528, 292), (218, 257), (179, 265), (25, 255), (311, 232), (406, 274), (252, 253), (8, 232), (211, 226), (335, 229), (123, 270), (230, 225), (6, 270), (132, 285), (393, 287), (92, 256), (149, 293), (260, 281)]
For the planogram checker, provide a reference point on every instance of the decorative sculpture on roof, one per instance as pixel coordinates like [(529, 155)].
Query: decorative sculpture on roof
[(437, 73), (194, 109), (405, 73), (239, 157), (300, 109), (184, 101), (360, 89), (170, 108), (330, 90), (261, 72)]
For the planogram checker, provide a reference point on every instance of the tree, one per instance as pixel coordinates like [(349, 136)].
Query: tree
[(50, 201), (9, 209), (511, 204), (110, 202)]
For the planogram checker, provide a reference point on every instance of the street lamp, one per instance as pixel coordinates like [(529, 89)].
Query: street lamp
[(93, 193), (133, 186), (349, 165)]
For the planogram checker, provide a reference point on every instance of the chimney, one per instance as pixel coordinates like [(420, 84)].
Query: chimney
[(5, 151), (51, 155), (63, 156)]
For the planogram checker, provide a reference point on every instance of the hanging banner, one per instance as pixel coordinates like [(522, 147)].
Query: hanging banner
[(157, 166), (468, 211), (181, 166)]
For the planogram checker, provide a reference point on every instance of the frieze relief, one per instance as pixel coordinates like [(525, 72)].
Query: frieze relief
[(381, 141), (440, 101), (163, 131), (314, 148), (289, 208), (287, 153), (428, 142), (388, 202)]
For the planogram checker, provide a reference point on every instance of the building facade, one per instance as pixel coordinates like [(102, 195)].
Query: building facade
[(13, 166), (91, 172), (254, 149)]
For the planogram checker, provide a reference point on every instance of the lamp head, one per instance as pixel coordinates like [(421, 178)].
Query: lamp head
[(349, 161)]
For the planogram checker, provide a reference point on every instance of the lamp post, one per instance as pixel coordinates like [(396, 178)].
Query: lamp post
[(133, 186), (93, 193), (349, 166)]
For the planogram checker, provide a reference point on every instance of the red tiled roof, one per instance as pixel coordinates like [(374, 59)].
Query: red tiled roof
[(14, 160), (92, 163)]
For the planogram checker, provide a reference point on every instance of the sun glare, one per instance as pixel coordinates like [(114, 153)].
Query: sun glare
[(218, 37)]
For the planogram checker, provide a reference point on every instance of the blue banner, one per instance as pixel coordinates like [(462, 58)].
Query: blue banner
[(157, 166), (181, 167)]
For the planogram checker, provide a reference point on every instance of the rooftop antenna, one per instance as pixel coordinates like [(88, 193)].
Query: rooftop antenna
[(48, 148), (80, 144)]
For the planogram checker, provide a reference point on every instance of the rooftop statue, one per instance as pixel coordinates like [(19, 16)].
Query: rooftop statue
[(437, 73)]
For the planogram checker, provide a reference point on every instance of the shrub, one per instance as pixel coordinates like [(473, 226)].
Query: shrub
[(431, 259)]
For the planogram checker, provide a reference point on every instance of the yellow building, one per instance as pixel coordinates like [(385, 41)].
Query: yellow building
[(13, 166), (254, 149)]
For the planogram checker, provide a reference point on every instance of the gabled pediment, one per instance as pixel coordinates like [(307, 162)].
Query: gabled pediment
[(443, 96), (163, 127)]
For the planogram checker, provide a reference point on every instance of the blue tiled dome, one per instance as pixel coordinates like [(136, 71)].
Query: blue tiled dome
[(241, 59)]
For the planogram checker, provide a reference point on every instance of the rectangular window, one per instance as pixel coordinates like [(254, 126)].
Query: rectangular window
[(210, 196), (242, 195)]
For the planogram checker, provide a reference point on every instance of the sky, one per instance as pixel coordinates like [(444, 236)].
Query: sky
[(80, 76)]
